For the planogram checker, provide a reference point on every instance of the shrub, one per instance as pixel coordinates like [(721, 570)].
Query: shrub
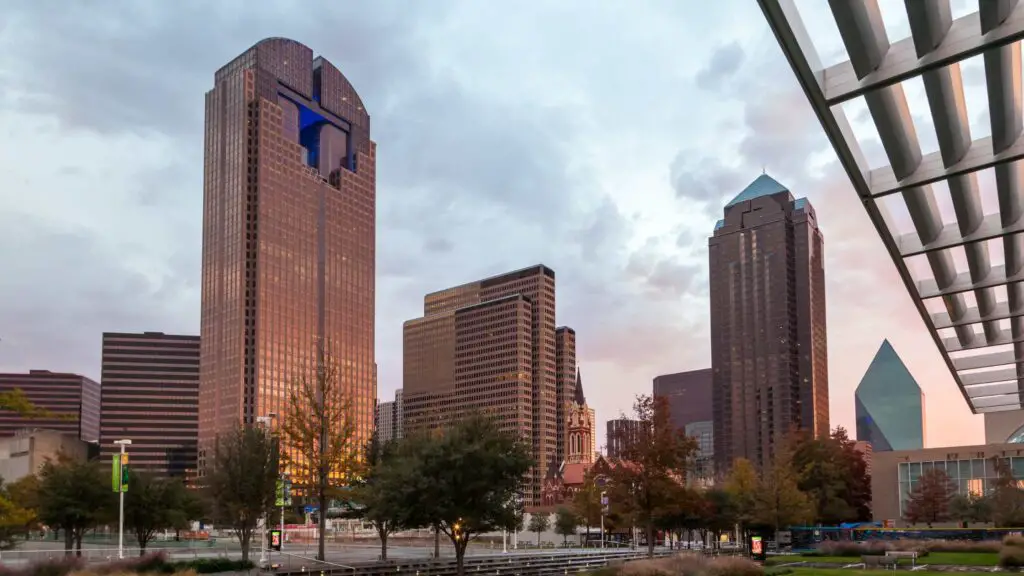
[(964, 546), (147, 564), (1017, 541), (56, 567), (693, 565), (734, 566), (213, 565), (1011, 557)]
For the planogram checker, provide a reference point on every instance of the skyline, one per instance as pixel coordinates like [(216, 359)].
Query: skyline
[(625, 225)]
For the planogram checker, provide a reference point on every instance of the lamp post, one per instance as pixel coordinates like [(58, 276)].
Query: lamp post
[(120, 496), (265, 422)]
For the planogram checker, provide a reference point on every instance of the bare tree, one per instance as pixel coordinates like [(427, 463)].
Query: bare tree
[(320, 447)]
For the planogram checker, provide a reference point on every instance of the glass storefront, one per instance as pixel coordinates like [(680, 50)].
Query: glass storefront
[(976, 476)]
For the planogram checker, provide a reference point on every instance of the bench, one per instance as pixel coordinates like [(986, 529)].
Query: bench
[(897, 554), (879, 561)]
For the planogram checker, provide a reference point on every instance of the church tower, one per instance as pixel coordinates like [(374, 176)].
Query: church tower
[(580, 427)]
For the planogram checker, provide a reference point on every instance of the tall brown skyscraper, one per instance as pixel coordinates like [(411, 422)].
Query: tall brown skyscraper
[(768, 346), (288, 237), (492, 347), (150, 395)]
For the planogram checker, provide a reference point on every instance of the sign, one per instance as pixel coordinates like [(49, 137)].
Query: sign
[(889, 524), (284, 493), (275, 539), (756, 545), (119, 473), (604, 501)]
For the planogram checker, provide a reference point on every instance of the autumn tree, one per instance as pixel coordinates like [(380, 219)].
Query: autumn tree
[(566, 522), (929, 501), (721, 511), (779, 503), (16, 401), (539, 523), (653, 462), (1007, 499), (967, 508), (16, 519), (466, 481), (242, 484), (75, 497), (742, 484), (318, 432)]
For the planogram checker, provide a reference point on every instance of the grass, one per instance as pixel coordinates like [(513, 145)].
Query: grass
[(841, 572), (936, 558)]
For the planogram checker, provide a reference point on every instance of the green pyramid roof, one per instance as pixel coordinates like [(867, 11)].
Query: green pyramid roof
[(763, 185)]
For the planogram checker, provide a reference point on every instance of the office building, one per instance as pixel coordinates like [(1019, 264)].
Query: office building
[(70, 404), (702, 468), (388, 419), (688, 395), (620, 433), (567, 378), (289, 216), (889, 404), (492, 347), (970, 469), (150, 395), (768, 344)]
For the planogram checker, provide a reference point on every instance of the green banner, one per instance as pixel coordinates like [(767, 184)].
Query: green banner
[(119, 473), (284, 493)]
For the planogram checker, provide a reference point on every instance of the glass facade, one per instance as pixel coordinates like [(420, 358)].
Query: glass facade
[(288, 238), (976, 476), (889, 404)]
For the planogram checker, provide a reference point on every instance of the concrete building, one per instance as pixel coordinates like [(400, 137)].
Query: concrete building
[(492, 346), (970, 468), (25, 453), (889, 404), (620, 432), (150, 395), (289, 238), (768, 339), (1004, 427), (968, 290), (71, 403), (388, 419)]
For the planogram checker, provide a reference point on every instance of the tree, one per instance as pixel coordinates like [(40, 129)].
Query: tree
[(586, 502), (742, 485), (779, 503), (153, 504), (834, 475), (466, 481), (1007, 499), (16, 401), (721, 511), (15, 519), (566, 523), (320, 449), (74, 497), (374, 492), (653, 463), (539, 523), (242, 484), (966, 508), (929, 501)]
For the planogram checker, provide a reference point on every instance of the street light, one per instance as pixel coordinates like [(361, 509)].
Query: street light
[(265, 421), (120, 495)]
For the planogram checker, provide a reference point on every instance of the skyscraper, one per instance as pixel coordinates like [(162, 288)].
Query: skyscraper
[(72, 401), (491, 346), (149, 394), (620, 433), (388, 419), (768, 345), (889, 404), (288, 237), (688, 395)]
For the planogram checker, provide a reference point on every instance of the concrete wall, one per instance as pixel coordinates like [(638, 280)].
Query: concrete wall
[(25, 454), (999, 425)]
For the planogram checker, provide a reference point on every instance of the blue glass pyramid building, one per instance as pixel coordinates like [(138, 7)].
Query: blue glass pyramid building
[(889, 404)]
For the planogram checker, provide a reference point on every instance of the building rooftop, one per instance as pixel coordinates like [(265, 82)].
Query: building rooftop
[(763, 185)]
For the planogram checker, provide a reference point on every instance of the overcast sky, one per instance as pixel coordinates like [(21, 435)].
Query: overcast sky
[(600, 138)]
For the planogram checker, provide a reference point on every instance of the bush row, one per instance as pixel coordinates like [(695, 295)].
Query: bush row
[(147, 564), (922, 547), (692, 565)]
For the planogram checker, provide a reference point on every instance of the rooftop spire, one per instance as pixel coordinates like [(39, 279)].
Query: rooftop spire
[(579, 398)]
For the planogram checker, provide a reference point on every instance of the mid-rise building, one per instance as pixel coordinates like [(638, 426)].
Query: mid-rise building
[(866, 453), (388, 419), (889, 404), (620, 433), (768, 344), (289, 228), (68, 403), (492, 346), (150, 395)]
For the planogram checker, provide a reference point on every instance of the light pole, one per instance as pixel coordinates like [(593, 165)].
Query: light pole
[(120, 496), (265, 422)]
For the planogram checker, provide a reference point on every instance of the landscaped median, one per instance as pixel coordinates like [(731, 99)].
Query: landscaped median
[(1008, 554)]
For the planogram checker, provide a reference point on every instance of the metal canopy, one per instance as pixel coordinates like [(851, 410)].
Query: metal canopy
[(980, 328)]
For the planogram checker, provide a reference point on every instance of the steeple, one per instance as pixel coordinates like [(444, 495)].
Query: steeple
[(579, 398)]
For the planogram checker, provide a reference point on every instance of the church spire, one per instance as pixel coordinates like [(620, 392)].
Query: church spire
[(579, 398)]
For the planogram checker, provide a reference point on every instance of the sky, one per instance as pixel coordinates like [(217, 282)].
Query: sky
[(599, 138)]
